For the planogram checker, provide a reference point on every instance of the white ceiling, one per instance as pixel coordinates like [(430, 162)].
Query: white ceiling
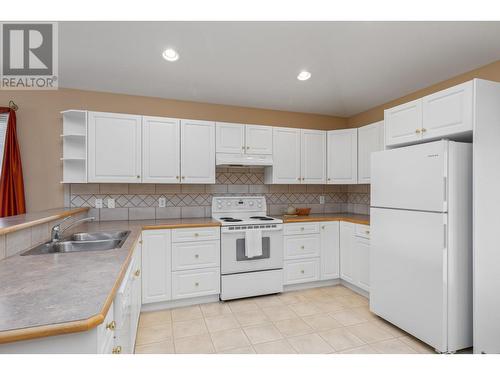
[(354, 65)]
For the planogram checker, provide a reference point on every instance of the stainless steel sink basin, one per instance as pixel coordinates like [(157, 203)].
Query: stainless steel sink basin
[(82, 242)]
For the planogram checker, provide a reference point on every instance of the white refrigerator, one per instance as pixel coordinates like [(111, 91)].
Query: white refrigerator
[(421, 241)]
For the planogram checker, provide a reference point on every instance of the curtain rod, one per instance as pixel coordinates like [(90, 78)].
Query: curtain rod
[(13, 105)]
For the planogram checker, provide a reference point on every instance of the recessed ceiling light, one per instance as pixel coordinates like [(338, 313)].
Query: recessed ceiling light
[(170, 54), (304, 75)]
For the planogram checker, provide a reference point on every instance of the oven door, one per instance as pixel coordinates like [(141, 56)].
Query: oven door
[(233, 258)]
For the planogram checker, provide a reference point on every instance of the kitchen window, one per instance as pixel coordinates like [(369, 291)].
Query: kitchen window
[(3, 132)]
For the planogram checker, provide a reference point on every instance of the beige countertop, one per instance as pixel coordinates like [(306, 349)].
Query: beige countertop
[(18, 222), (51, 294), (352, 218)]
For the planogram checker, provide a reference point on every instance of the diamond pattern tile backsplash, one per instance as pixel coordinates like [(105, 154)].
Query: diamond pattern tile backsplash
[(141, 201)]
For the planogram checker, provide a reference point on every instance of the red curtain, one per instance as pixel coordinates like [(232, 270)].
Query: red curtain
[(11, 180)]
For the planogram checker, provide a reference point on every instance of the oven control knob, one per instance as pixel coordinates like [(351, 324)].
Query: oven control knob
[(251, 203), (228, 203)]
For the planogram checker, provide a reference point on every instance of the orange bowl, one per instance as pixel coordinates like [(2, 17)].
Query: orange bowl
[(303, 211)]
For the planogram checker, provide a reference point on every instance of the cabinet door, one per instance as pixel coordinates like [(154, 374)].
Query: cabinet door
[(342, 157), (370, 139), (403, 123), (114, 147), (160, 150), (362, 263), (448, 112), (230, 138), (330, 250), (259, 139), (347, 252), (136, 293), (286, 156), (156, 266), (197, 152), (313, 156)]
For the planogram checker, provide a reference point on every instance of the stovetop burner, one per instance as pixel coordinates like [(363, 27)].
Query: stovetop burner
[(265, 218), (230, 219)]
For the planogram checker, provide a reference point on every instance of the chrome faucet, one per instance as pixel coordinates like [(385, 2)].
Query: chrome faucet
[(55, 233)]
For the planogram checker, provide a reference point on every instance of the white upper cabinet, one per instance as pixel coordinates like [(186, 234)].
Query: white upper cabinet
[(259, 140), (286, 157), (244, 139), (114, 147), (403, 124), (160, 150), (197, 152), (448, 111), (342, 159), (370, 139), (230, 138), (442, 114), (313, 156)]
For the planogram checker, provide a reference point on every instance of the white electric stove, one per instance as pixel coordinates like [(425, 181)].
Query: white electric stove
[(245, 273)]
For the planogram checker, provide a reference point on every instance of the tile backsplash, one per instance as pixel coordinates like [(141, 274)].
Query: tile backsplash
[(140, 201)]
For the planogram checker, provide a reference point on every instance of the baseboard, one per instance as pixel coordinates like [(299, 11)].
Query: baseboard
[(354, 288), (179, 303), (313, 284)]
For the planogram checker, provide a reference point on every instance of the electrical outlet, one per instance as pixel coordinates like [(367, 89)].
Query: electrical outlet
[(111, 202), (162, 202), (321, 199), (98, 203)]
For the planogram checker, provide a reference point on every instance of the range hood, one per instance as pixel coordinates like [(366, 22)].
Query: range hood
[(243, 160)]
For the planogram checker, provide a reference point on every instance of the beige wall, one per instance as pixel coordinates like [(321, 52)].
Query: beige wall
[(490, 72), (39, 126)]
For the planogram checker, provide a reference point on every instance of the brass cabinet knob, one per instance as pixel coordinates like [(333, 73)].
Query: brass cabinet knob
[(197, 284), (137, 273), (328, 179), (298, 178), (183, 177), (424, 130), (111, 325), (138, 176), (301, 271), (117, 350), (367, 231), (248, 147), (417, 131), (196, 234), (302, 247), (302, 228), (176, 177), (322, 227)]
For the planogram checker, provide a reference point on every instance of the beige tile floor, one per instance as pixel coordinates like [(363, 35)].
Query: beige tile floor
[(320, 320)]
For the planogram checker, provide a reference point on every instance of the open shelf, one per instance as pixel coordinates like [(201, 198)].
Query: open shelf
[(74, 139)]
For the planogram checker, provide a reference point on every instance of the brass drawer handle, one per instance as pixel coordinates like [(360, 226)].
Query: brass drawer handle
[(417, 131), (117, 350), (111, 325)]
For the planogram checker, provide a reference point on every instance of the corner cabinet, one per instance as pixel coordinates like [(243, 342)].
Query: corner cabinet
[(342, 156), (370, 139), (197, 152), (160, 150), (114, 147)]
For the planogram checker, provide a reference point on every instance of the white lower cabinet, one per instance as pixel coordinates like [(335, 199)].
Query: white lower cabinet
[(330, 250), (156, 265), (180, 263), (195, 283), (355, 254), (301, 271)]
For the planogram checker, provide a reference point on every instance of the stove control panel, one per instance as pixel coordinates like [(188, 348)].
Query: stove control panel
[(238, 204)]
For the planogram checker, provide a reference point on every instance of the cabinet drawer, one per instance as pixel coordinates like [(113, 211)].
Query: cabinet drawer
[(196, 234), (361, 230), (301, 271), (306, 246), (301, 228), (105, 332), (188, 284), (193, 255)]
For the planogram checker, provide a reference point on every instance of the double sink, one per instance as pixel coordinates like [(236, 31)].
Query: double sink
[(80, 242)]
